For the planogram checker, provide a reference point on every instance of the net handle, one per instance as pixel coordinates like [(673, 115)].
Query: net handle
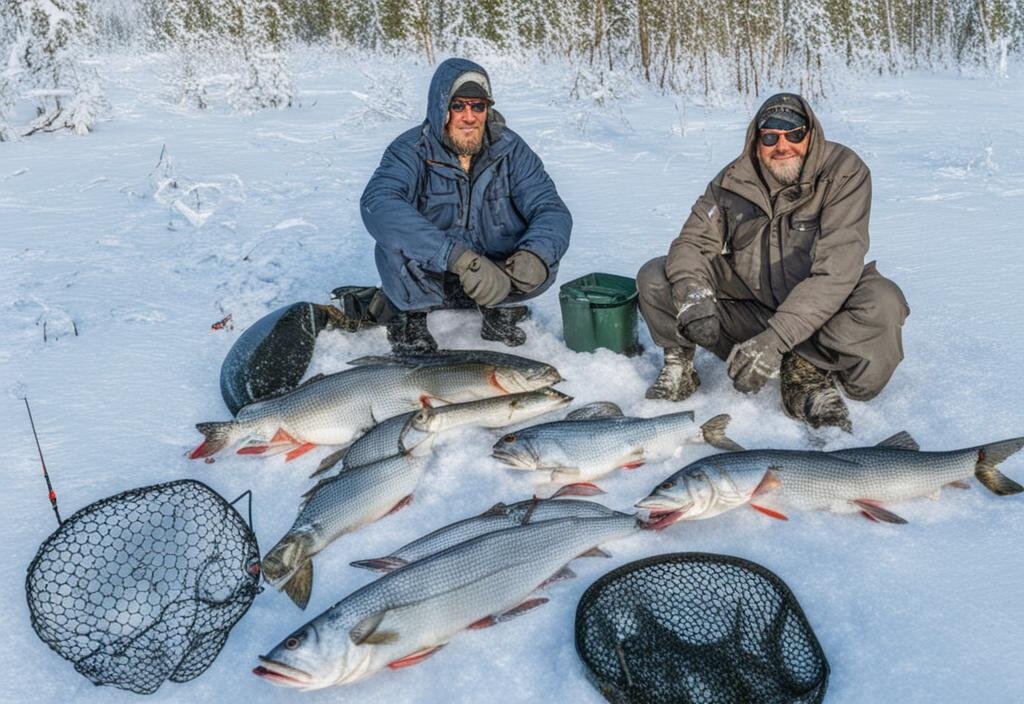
[(244, 494)]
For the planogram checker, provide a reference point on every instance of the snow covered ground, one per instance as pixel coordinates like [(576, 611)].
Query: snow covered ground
[(246, 213)]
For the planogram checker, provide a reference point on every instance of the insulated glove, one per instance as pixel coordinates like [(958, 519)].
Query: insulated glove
[(526, 270), (754, 362), (482, 279), (697, 320)]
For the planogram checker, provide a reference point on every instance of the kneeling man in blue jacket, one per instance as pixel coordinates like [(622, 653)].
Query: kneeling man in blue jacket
[(464, 216)]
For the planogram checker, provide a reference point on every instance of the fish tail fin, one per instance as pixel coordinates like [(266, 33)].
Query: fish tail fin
[(289, 567), (217, 436), (986, 469), (713, 432)]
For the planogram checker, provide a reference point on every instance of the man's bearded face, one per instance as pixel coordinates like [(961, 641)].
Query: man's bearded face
[(465, 128), (784, 160)]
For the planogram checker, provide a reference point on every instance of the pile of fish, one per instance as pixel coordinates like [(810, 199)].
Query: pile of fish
[(384, 413), (412, 611)]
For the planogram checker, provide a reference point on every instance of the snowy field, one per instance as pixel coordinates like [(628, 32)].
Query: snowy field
[(265, 212)]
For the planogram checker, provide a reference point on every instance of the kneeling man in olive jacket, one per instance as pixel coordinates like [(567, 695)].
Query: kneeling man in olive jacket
[(768, 273)]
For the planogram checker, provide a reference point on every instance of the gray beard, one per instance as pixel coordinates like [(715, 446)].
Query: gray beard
[(787, 173), (469, 147)]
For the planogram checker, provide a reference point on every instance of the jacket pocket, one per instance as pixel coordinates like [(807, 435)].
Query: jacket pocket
[(798, 245), (803, 234)]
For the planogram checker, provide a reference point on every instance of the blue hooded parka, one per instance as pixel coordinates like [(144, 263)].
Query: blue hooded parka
[(421, 207)]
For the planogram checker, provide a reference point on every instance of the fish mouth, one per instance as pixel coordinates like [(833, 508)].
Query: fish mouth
[(281, 674), (661, 511), (656, 503), (513, 459), (660, 520)]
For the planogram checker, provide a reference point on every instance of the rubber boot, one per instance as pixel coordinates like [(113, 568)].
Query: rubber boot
[(677, 379), (499, 325), (810, 394), (408, 334)]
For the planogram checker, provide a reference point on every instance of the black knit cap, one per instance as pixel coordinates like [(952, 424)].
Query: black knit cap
[(471, 89), (782, 111)]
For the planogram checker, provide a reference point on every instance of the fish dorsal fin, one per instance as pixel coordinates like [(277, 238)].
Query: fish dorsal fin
[(900, 441), (366, 630), (593, 411), (375, 360), (498, 509)]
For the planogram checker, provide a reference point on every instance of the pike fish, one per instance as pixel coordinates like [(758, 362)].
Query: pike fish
[(334, 507), (597, 439), (335, 409), (497, 517), (862, 479), (413, 432), (540, 372), (408, 614)]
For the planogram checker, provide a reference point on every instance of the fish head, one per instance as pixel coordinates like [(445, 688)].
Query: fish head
[(520, 378), (528, 405), (700, 490), (516, 450), (319, 654), (419, 431)]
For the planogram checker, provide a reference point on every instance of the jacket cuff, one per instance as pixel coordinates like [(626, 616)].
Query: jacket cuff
[(784, 344), (458, 249)]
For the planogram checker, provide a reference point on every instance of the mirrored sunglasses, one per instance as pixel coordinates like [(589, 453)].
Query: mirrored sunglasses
[(795, 136)]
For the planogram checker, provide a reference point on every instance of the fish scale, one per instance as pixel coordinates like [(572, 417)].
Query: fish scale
[(579, 450), (497, 518), (334, 507), (422, 605), (333, 409), (408, 431), (841, 481)]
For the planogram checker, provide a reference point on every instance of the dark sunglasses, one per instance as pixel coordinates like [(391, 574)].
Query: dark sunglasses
[(460, 105), (770, 139)]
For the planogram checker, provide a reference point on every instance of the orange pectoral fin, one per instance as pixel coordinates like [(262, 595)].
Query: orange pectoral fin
[(415, 658), (770, 512), (298, 451), (769, 482), (633, 465)]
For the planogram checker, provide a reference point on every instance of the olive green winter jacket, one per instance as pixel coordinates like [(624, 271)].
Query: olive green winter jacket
[(802, 256)]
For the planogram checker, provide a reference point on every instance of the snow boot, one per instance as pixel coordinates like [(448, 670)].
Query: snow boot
[(408, 334), (359, 307), (499, 324), (677, 379), (810, 394)]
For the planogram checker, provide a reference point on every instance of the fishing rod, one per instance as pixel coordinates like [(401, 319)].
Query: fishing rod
[(46, 475)]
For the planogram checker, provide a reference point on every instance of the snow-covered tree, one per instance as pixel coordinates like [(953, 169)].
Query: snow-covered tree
[(45, 60), (234, 45)]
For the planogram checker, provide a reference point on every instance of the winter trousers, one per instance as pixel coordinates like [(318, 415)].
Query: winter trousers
[(862, 343), (455, 297)]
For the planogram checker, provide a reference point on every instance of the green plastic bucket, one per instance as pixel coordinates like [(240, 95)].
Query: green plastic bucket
[(599, 310)]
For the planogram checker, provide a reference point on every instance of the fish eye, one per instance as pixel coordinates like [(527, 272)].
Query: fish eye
[(511, 437), (667, 485), (293, 642)]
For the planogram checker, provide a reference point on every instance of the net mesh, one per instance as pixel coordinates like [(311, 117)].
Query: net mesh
[(144, 586), (698, 628)]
